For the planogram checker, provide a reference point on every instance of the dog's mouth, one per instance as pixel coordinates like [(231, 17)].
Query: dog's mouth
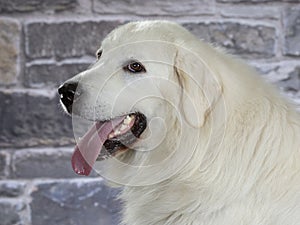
[(107, 138)]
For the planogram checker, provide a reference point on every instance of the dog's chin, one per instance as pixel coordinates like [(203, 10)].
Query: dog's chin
[(107, 138)]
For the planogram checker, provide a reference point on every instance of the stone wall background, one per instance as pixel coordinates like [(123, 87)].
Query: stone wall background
[(43, 42)]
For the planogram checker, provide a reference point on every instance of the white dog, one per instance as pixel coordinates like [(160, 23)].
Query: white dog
[(196, 137)]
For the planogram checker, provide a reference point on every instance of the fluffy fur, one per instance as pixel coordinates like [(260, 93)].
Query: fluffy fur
[(231, 143)]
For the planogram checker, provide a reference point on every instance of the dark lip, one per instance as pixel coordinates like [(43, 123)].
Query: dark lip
[(123, 142)]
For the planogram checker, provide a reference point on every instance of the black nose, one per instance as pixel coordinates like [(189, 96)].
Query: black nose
[(67, 93)]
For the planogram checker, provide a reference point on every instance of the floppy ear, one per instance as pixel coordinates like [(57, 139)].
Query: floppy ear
[(199, 85)]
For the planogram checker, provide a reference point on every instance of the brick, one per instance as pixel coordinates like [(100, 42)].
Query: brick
[(291, 84), (292, 32), (13, 6), (256, 1), (285, 75), (66, 39), (274, 72), (3, 164), (29, 119), (257, 11), (9, 45), (77, 203), (243, 40), (167, 7), (50, 75), (10, 213), (11, 188), (48, 162)]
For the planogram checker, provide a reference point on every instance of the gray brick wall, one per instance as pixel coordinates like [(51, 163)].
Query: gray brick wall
[(43, 42)]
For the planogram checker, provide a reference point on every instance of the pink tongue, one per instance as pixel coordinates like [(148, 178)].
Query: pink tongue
[(89, 147)]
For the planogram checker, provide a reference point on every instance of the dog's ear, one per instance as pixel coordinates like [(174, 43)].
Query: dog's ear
[(200, 86)]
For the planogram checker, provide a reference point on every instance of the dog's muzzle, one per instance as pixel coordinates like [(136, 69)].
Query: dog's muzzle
[(105, 138)]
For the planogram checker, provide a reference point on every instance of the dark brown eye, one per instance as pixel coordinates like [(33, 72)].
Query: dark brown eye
[(98, 54), (135, 67)]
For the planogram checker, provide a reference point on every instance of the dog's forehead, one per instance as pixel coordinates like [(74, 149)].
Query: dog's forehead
[(129, 39), (138, 32)]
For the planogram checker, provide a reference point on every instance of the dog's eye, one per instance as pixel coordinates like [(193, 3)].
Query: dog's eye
[(98, 54), (135, 67)]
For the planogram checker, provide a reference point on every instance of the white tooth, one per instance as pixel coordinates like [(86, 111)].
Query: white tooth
[(127, 120), (111, 135), (123, 127)]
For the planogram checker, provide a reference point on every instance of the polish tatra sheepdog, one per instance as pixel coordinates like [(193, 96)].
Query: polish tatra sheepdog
[(194, 135)]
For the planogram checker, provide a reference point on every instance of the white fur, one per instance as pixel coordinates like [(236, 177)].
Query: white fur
[(235, 140)]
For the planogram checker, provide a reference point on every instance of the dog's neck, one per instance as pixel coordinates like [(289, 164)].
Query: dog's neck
[(161, 202), (200, 192)]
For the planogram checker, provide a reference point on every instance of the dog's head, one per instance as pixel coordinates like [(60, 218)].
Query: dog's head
[(148, 94)]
